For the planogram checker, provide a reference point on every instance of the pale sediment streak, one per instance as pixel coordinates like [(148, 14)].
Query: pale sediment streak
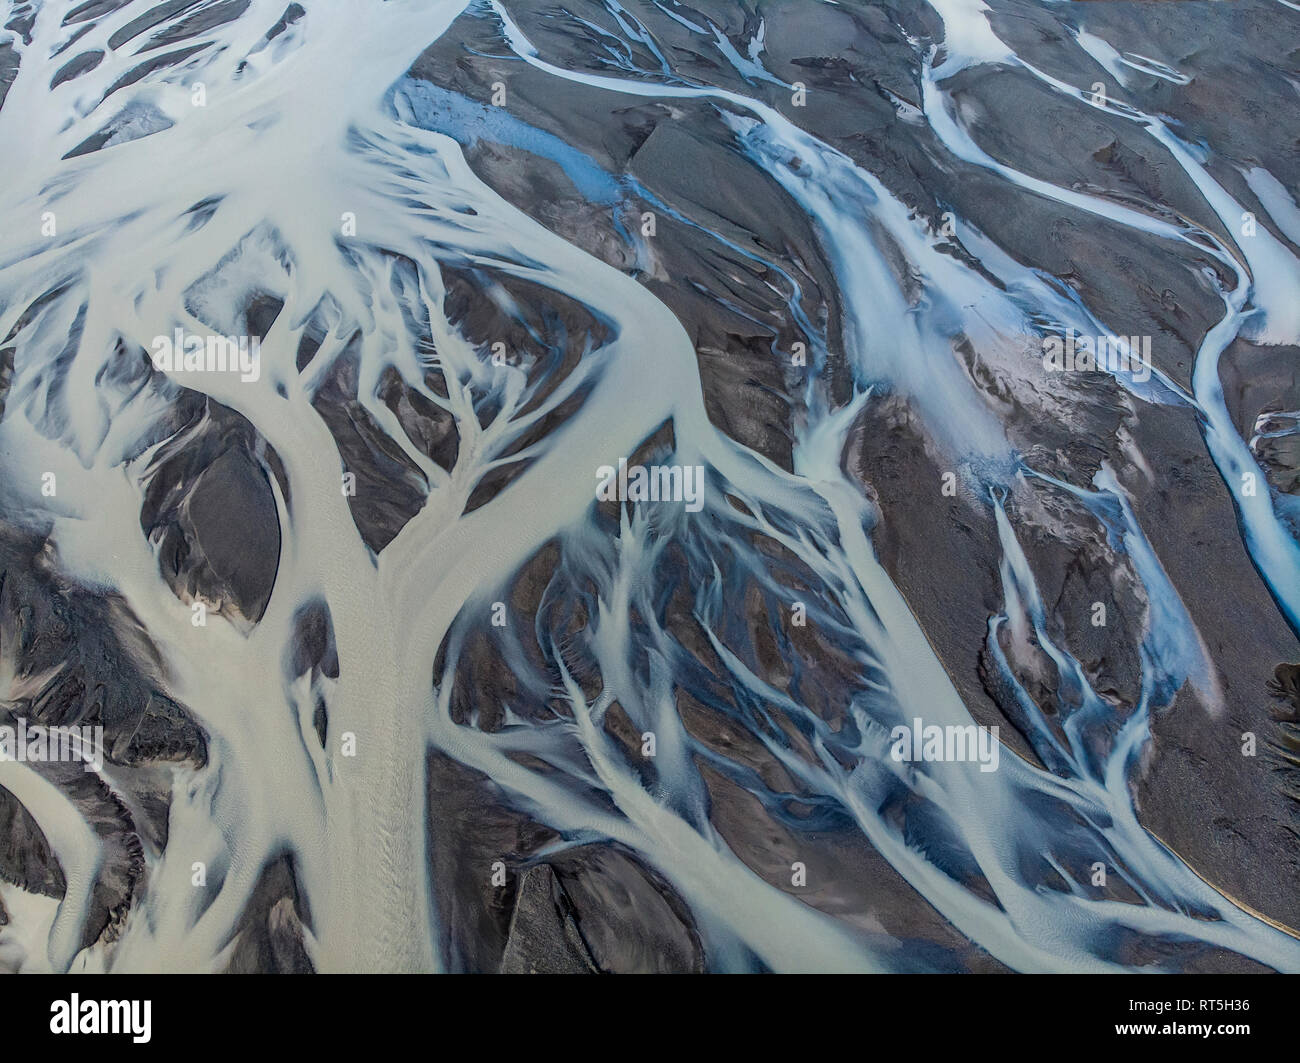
[(283, 148)]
